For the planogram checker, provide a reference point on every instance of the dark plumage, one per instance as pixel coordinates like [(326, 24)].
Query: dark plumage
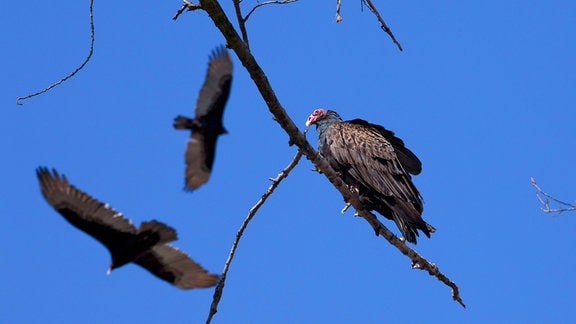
[(207, 124), (145, 246), (377, 165)]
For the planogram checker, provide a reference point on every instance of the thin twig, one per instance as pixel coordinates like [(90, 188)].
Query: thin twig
[(212, 7), (338, 17), (241, 21), (75, 71), (382, 22), (267, 3), (543, 198), (275, 182), (186, 6)]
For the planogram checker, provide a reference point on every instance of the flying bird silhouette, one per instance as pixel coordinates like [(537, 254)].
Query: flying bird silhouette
[(146, 246), (372, 161), (207, 124)]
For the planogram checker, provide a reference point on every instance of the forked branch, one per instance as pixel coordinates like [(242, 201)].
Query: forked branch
[(275, 182), (544, 198), (243, 19)]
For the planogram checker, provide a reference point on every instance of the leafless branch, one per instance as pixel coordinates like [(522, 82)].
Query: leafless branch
[(75, 71), (543, 198), (261, 4), (212, 7), (186, 6), (338, 17), (275, 182), (241, 21), (382, 22), (418, 262)]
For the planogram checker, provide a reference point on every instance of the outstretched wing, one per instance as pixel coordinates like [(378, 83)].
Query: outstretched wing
[(84, 212), (207, 124), (215, 90), (176, 267)]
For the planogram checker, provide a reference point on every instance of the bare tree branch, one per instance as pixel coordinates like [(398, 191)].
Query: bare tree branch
[(212, 7), (543, 198), (186, 6), (338, 17), (77, 69), (241, 21), (275, 182), (382, 22), (279, 2)]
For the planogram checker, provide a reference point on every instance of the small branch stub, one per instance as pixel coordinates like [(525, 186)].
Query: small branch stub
[(186, 6), (338, 17)]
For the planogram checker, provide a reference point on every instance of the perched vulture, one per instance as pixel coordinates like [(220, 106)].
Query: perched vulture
[(376, 164), (207, 124), (145, 246)]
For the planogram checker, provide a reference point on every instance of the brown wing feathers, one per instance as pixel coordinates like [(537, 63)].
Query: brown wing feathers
[(173, 265), (145, 246), (207, 124), (376, 163)]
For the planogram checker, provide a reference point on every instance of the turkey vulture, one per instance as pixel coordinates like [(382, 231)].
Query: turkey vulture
[(207, 125), (376, 164), (145, 246)]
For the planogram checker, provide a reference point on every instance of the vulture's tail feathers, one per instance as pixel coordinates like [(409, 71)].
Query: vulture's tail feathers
[(409, 222)]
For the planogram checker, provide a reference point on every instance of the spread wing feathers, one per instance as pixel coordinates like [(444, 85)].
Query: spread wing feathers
[(216, 88), (199, 159), (81, 210), (409, 160), (207, 124), (170, 264), (367, 156)]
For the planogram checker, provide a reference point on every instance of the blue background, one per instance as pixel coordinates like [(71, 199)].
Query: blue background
[(484, 93)]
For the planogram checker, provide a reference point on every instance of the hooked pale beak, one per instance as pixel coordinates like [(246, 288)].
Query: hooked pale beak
[(309, 121)]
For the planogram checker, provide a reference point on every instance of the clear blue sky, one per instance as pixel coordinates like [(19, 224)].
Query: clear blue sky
[(484, 94)]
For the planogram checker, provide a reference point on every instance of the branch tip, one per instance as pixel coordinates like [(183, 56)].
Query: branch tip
[(186, 6), (261, 4), (383, 24)]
